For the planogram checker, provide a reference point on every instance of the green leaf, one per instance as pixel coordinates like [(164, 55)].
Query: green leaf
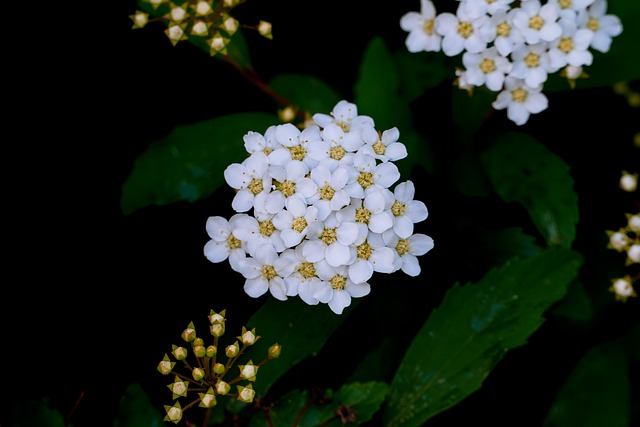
[(476, 324), (498, 246), (576, 305), (189, 163), (237, 48), (521, 169), (135, 410), (420, 71), (306, 92), (36, 412), (363, 398), (597, 392), (470, 111), (377, 94), (300, 329)]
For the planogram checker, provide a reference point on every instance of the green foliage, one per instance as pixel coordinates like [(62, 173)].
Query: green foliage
[(306, 92), (189, 163), (521, 169), (33, 412), (597, 392), (313, 408), (299, 337), (377, 94), (470, 332), (136, 410)]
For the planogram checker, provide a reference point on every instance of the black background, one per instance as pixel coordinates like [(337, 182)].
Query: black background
[(94, 298)]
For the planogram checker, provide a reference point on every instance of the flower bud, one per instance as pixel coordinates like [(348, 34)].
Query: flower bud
[(217, 317), (264, 28), (212, 350), (208, 399), (248, 371), (232, 350), (180, 353), (199, 351), (274, 351), (248, 337), (222, 387), (178, 388), (618, 240), (197, 374), (246, 394), (633, 223), (629, 182), (174, 413), (203, 8), (166, 366), (633, 254), (623, 288), (140, 19), (219, 368), (217, 329), (189, 334)]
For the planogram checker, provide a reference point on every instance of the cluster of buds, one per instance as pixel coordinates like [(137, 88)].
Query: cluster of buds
[(317, 213), (511, 50), (626, 239), (208, 20), (206, 375)]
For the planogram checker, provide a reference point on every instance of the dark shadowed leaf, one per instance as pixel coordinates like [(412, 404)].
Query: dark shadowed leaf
[(306, 92), (597, 392), (476, 324), (189, 163), (521, 169), (136, 410), (32, 412), (377, 94)]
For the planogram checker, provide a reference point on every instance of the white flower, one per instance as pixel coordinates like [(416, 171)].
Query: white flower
[(604, 26), (421, 29), (486, 68), (257, 232), (338, 288), (330, 194), (250, 178), (477, 8), (371, 175), (385, 147), (330, 240), (294, 221), (405, 210), (633, 222), (537, 22), (293, 144), (368, 213), (508, 37), (520, 100), (461, 32), (255, 141), (345, 115), (372, 255), (261, 274), (407, 250), (336, 147), (623, 288), (530, 62), (303, 281), (633, 254), (569, 9), (572, 48), (285, 185), (223, 243)]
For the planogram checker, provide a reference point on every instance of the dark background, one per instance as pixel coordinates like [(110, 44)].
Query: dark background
[(95, 298)]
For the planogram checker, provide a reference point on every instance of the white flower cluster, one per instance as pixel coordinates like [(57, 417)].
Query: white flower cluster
[(316, 216), (512, 50)]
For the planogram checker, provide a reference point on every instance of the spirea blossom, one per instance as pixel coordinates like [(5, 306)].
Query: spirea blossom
[(525, 40), (320, 210)]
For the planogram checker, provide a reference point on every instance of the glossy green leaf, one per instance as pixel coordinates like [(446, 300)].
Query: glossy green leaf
[(306, 92), (419, 72), (189, 163), (576, 305), (363, 398), (237, 48), (476, 324), (300, 329), (495, 247), (521, 169), (471, 110), (136, 410), (377, 95), (597, 392)]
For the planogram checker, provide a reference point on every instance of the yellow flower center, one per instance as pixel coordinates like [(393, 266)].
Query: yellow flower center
[(379, 148), (287, 188), (327, 192), (337, 153), (307, 270), (503, 29), (365, 179), (363, 215), (565, 44), (465, 29), (338, 282), (488, 65), (402, 247), (255, 186), (532, 60), (233, 242), (299, 224), (364, 250), (593, 24), (268, 272), (328, 236), (298, 152), (266, 227), (565, 4), (519, 94), (428, 26), (397, 208), (536, 22), (343, 125)]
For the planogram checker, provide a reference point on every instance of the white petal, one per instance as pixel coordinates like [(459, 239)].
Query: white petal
[(379, 223), (256, 287), (417, 211), (216, 251), (242, 201), (386, 174), (217, 228), (340, 300), (347, 233), (337, 254), (410, 265), (278, 288), (403, 226), (420, 244), (236, 176), (358, 290), (360, 271), (382, 260), (313, 250)]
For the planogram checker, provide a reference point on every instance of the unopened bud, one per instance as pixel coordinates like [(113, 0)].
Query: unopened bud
[(199, 351), (208, 399), (174, 413), (222, 387), (212, 350), (274, 351), (264, 28), (217, 329), (219, 368), (248, 337), (140, 19), (232, 350), (178, 388), (246, 394), (629, 182), (180, 353), (189, 334), (166, 366), (248, 371), (197, 374)]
